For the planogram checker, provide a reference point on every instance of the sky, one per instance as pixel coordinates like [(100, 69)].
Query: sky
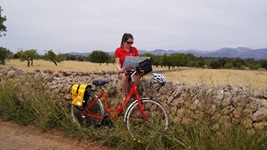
[(86, 25)]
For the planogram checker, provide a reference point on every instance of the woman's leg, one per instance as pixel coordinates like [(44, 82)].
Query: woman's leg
[(124, 85)]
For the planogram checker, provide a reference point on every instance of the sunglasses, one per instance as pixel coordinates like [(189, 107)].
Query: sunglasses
[(130, 43)]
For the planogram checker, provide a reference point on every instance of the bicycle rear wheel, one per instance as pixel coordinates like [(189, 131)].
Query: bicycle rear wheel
[(78, 116), (139, 127)]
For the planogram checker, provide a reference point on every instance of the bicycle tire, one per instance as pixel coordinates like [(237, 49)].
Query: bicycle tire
[(139, 127), (78, 116)]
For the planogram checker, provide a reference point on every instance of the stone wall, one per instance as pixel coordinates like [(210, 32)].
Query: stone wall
[(222, 105)]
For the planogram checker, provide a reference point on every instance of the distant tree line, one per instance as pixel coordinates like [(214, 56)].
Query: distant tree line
[(168, 61)]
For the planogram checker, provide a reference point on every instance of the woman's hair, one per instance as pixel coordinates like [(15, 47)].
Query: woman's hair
[(125, 37)]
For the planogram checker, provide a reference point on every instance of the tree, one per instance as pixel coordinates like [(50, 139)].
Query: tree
[(98, 56), (29, 55), (4, 53), (111, 59), (51, 56), (263, 64), (70, 57), (2, 20), (238, 62), (228, 65), (17, 55), (164, 60), (153, 59), (199, 62), (156, 60), (215, 64), (190, 57), (181, 60), (173, 60)]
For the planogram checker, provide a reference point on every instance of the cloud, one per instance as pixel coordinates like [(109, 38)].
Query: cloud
[(67, 25)]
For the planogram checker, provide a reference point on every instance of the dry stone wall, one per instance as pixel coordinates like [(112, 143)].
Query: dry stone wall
[(224, 106)]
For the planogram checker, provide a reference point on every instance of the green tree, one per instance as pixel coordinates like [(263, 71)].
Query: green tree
[(238, 62), (156, 60), (181, 60), (228, 65), (17, 55), (200, 62), (29, 55), (215, 64), (254, 66), (263, 64), (80, 58), (70, 57), (164, 60), (98, 56), (190, 57), (2, 26), (111, 59), (51, 56), (173, 60), (4, 54)]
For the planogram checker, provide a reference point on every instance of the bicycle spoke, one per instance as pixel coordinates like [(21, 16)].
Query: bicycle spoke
[(157, 119), (78, 116)]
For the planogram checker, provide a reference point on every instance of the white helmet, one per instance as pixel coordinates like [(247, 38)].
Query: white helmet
[(158, 78)]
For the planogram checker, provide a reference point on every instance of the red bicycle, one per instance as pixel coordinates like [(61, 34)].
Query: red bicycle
[(141, 115)]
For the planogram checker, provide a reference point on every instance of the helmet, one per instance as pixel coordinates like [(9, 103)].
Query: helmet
[(158, 78)]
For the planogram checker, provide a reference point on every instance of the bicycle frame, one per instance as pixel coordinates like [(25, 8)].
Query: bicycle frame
[(102, 94)]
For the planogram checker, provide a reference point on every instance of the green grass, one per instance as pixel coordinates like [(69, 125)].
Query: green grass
[(28, 104)]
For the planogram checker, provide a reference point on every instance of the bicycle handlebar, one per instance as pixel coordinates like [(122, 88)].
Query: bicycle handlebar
[(132, 73), (137, 70)]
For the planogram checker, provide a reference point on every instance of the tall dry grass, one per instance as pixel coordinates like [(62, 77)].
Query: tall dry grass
[(210, 77), (213, 77)]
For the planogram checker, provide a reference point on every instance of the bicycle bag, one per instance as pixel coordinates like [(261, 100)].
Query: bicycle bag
[(79, 94), (145, 67)]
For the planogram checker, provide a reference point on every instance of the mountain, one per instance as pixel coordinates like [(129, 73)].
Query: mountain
[(78, 54), (241, 52)]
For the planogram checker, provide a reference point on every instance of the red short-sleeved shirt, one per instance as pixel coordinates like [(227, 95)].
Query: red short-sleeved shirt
[(122, 53)]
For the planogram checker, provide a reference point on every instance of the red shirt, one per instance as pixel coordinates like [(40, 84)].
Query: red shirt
[(122, 53)]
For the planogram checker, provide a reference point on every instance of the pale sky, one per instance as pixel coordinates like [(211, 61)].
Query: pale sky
[(87, 25)]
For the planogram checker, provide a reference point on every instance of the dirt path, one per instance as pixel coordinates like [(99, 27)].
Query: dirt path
[(16, 137)]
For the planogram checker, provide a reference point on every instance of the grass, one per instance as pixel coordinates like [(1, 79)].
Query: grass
[(29, 105)]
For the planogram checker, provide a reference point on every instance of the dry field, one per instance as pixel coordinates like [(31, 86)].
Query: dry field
[(210, 77)]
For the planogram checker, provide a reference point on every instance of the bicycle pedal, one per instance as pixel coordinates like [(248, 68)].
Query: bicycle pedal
[(106, 121), (97, 126)]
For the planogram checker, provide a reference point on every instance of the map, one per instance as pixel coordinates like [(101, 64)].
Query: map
[(132, 61)]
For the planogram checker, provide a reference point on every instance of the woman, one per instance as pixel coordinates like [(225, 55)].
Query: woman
[(125, 49)]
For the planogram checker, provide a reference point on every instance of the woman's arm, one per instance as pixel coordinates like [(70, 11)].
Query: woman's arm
[(118, 65)]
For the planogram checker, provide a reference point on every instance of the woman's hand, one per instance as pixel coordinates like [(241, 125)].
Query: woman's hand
[(122, 70)]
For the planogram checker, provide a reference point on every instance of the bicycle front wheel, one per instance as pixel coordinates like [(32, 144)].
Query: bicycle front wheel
[(157, 119), (78, 116)]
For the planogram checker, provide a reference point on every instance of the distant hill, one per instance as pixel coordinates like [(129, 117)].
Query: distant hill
[(78, 54), (241, 52)]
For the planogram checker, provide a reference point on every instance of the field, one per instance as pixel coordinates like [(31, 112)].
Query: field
[(209, 77)]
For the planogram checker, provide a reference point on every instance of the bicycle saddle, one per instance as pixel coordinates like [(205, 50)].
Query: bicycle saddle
[(100, 82)]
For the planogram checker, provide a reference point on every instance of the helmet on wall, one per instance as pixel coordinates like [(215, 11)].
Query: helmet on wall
[(158, 78)]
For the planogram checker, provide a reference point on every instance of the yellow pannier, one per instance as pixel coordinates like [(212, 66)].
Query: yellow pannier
[(78, 91)]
